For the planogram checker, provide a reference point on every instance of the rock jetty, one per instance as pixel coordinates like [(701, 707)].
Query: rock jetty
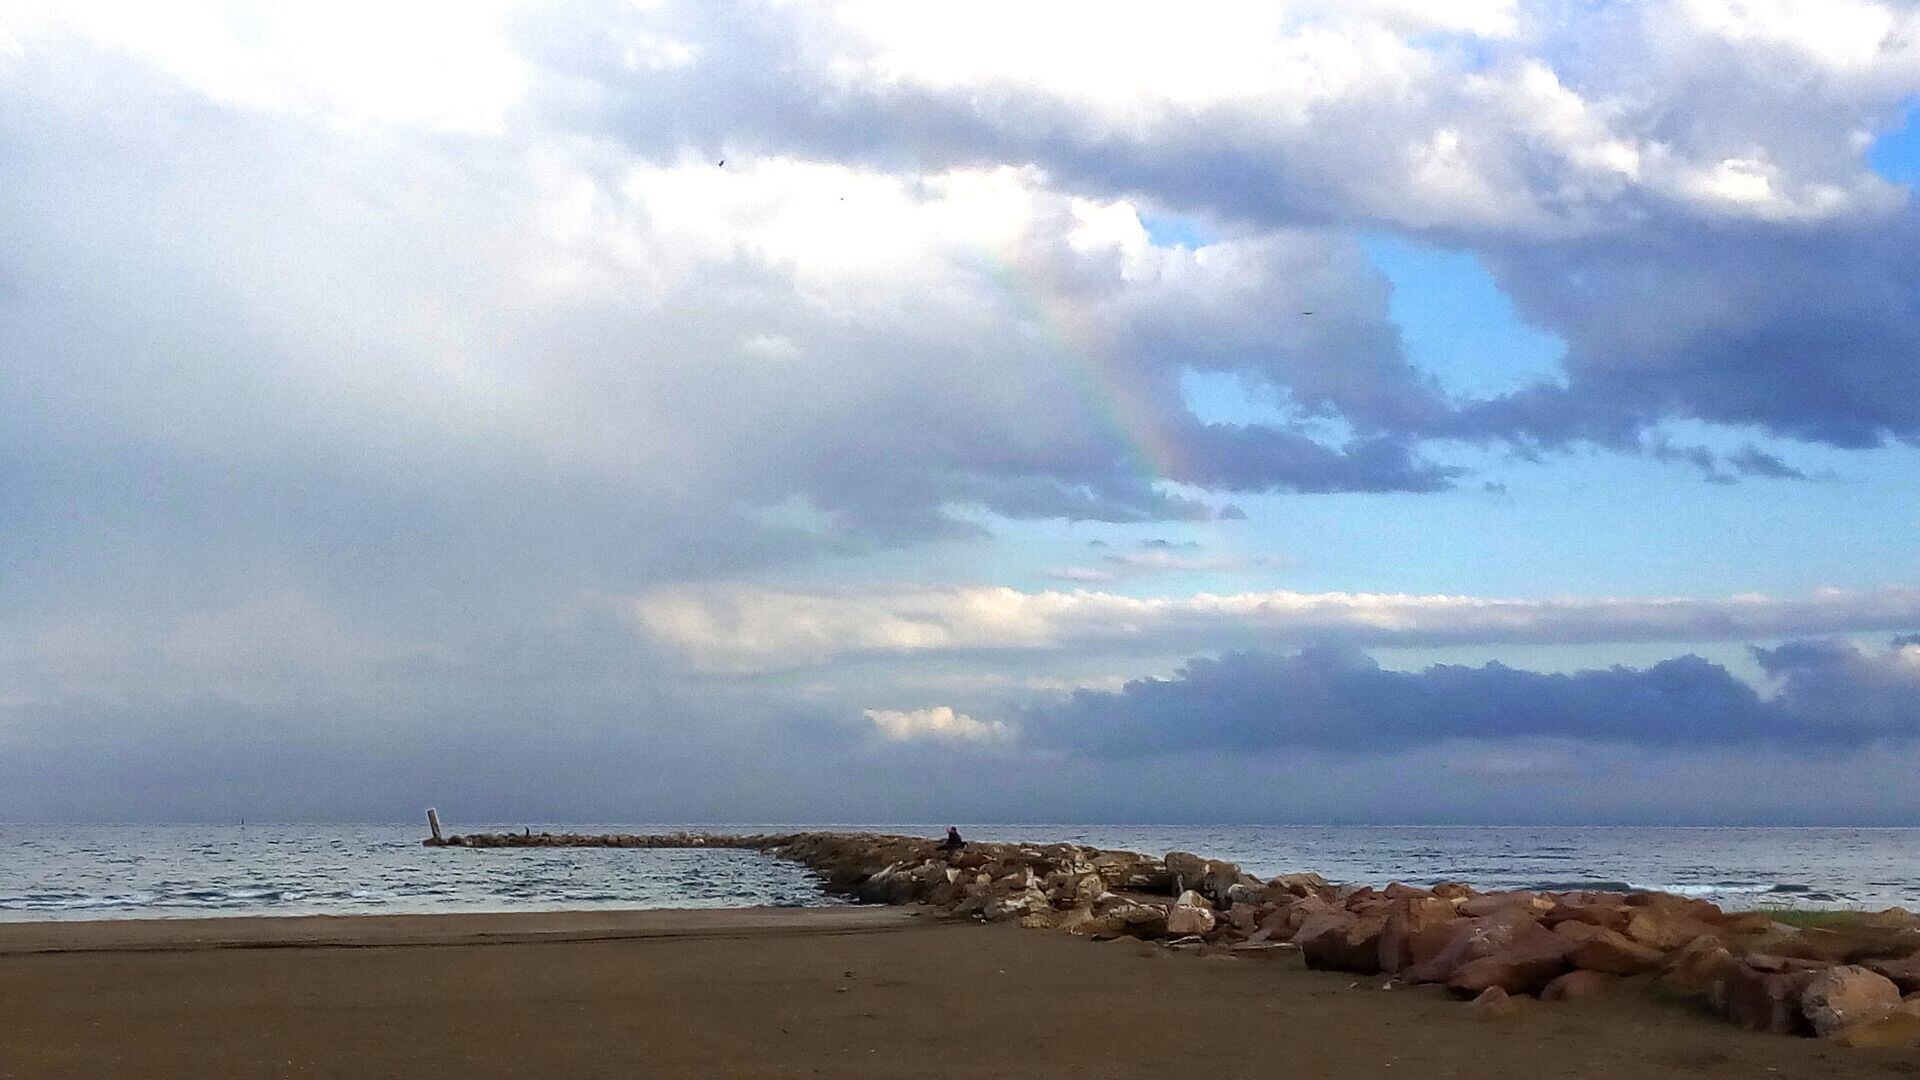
[(1858, 984)]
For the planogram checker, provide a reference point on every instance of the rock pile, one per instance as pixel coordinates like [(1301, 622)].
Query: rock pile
[(1484, 946)]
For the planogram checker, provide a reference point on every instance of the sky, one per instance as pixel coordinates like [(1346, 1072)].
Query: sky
[(752, 411)]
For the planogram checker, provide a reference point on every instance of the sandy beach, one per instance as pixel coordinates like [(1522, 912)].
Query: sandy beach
[(837, 991)]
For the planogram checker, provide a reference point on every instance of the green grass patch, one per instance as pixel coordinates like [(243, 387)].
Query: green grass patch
[(1814, 918)]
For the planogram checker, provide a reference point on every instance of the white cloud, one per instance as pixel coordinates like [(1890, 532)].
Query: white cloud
[(1095, 53), (1844, 34), (1156, 560), (938, 723), (1084, 574), (754, 629), (439, 63)]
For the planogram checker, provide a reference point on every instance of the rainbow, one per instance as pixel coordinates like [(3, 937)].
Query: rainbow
[(1124, 411)]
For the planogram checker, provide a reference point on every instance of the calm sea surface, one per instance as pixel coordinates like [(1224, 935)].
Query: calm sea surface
[(130, 871)]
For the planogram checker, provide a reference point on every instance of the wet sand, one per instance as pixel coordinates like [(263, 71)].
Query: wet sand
[(880, 992)]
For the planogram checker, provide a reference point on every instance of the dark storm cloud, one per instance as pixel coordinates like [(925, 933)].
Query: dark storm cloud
[(1807, 333), (1830, 694), (1260, 458), (1753, 461)]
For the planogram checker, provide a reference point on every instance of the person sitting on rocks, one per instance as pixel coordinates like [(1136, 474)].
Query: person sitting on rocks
[(953, 841)]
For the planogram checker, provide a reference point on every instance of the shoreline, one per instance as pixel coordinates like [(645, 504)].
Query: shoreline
[(1854, 981), (1515, 953), (436, 929), (755, 993)]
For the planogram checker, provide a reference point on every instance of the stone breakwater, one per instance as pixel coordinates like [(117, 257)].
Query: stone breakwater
[(1857, 982)]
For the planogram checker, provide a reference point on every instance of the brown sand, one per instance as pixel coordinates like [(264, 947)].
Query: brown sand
[(833, 992)]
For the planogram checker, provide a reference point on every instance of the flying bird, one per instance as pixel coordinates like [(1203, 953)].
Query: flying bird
[(723, 163)]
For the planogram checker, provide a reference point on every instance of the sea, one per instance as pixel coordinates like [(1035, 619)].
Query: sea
[(170, 871)]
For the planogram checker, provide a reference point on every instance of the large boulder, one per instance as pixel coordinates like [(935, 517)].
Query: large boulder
[(1136, 873), (1905, 972), (1842, 997), (1079, 920), (1125, 917), (1747, 922), (1186, 867), (1341, 941), (1087, 889), (1222, 878), (1286, 920), (1353, 897), (1893, 918), (1598, 949), (1015, 906), (1016, 880), (1666, 927), (1699, 967), (1531, 903), (1766, 1001), (1770, 962), (1305, 883), (942, 895), (1190, 914), (1525, 965), (1439, 950), (1406, 920), (1250, 893), (1246, 917), (1899, 1029), (1210, 878), (1704, 910), (1613, 916)]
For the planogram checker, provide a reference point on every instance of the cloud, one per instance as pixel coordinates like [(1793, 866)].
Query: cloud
[(1830, 693), (355, 356), (939, 723), (1740, 264), (898, 343), (1161, 561), (1085, 574), (941, 268), (743, 628), (1161, 556)]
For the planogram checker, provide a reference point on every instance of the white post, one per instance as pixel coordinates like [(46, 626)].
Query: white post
[(433, 822)]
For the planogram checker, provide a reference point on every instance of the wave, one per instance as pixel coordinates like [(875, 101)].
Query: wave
[(1728, 888)]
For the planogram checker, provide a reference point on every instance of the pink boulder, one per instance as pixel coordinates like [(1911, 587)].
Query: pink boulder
[(1666, 927), (1843, 997), (1905, 972), (1407, 919), (1767, 1001), (1599, 949), (1525, 966), (1495, 903), (1438, 951), (1340, 941)]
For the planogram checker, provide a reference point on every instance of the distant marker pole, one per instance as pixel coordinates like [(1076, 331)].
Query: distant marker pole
[(433, 822)]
